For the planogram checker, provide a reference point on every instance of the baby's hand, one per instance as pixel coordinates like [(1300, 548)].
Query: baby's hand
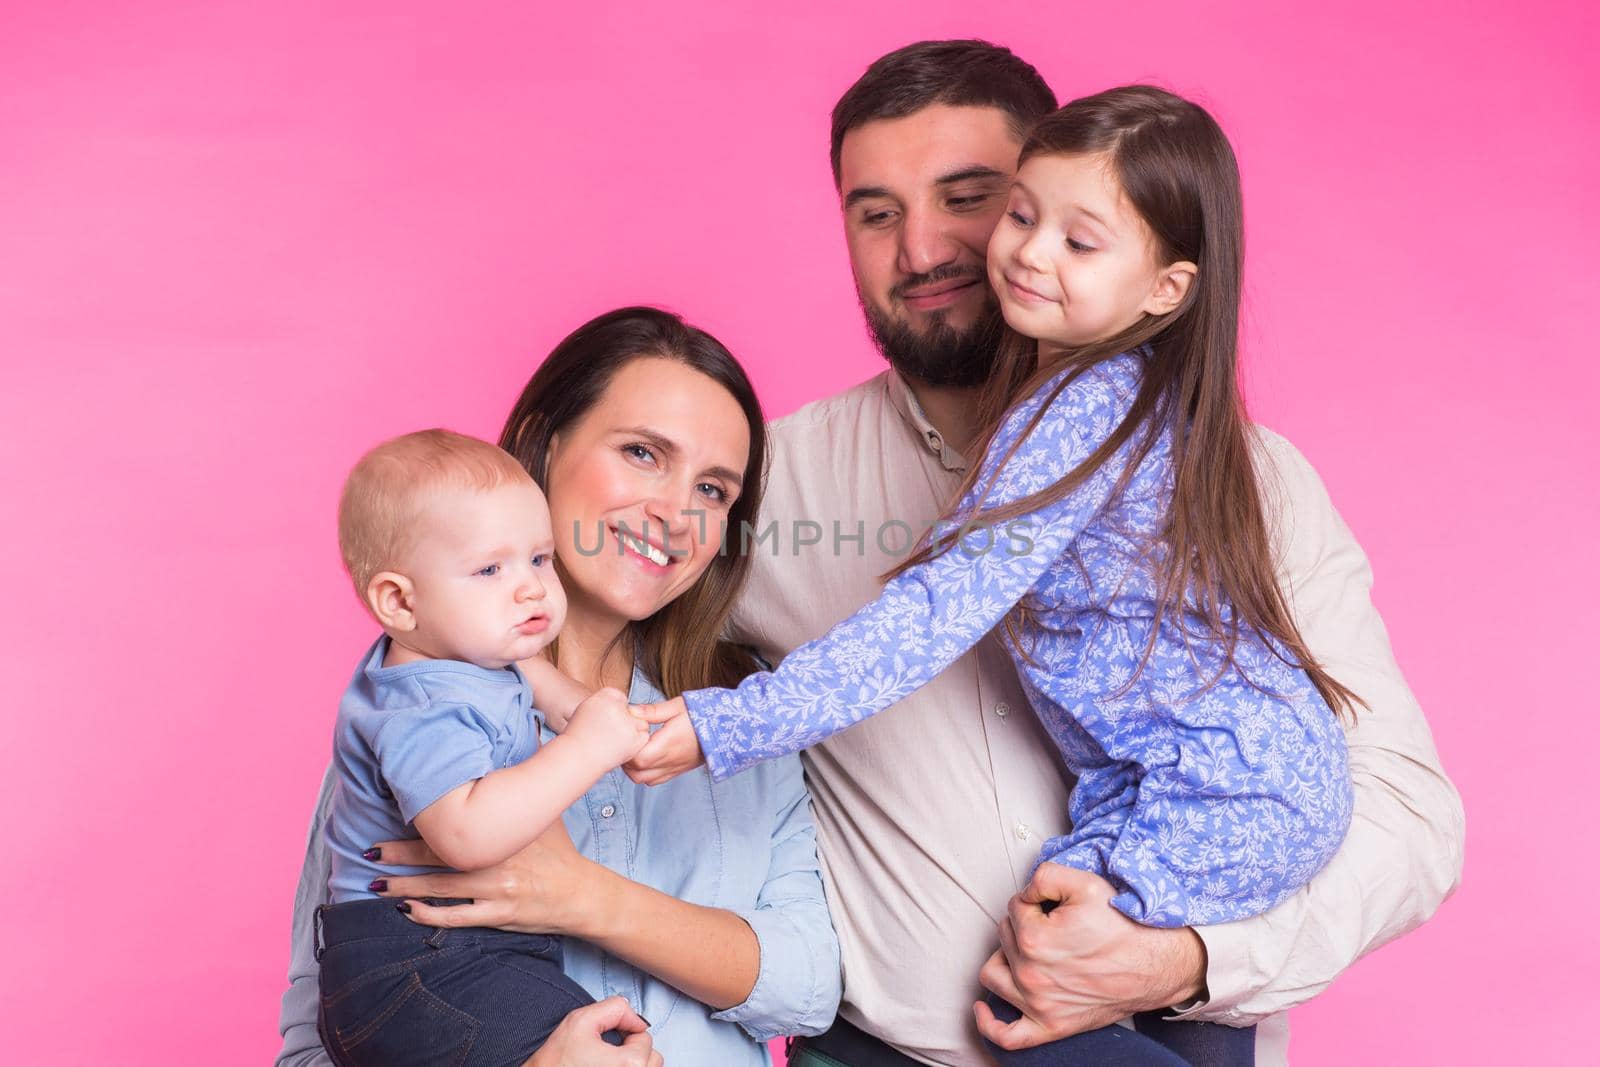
[(604, 725)]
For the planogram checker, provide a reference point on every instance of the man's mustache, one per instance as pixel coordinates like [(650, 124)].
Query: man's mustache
[(947, 273)]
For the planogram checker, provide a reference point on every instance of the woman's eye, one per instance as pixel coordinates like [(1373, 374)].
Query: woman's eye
[(1079, 246), (640, 452), (715, 492), (1019, 218), (490, 571)]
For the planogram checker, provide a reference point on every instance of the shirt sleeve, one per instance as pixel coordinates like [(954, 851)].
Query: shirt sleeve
[(426, 751), (1403, 854), (929, 616), (799, 981), (297, 1017)]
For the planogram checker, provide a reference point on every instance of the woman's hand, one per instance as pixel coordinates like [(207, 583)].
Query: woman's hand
[(671, 750), (547, 888), (577, 1041)]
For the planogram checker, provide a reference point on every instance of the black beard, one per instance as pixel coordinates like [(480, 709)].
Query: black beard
[(941, 355)]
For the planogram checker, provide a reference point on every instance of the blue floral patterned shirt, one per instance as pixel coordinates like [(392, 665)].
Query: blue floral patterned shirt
[(1208, 789)]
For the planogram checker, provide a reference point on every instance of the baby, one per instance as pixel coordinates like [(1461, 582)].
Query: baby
[(448, 542)]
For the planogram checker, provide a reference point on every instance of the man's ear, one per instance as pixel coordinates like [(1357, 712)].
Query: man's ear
[(390, 596), (1171, 286)]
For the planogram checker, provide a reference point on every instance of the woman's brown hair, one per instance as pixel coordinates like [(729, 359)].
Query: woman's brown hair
[(680, 646), (1176, 167)]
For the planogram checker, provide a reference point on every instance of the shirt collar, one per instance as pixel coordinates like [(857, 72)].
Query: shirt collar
[(905, 402)]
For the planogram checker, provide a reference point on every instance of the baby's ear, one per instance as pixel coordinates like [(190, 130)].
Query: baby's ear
[(389, 595), (1171, 286)]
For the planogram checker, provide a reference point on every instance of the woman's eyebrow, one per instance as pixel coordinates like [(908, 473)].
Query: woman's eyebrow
[(666, 446)]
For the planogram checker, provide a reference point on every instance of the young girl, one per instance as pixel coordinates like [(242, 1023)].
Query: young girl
[(1144, 618)]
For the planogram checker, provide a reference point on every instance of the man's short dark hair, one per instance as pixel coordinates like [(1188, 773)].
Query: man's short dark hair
[(955, 73)]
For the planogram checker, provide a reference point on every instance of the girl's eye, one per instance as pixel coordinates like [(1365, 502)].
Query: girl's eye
[(490, 571), (540, 561), (1019, 218), (1079, 246)]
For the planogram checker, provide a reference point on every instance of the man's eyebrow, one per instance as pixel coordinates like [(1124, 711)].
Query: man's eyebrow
[(666, 446), (973, 173), (866, 192)]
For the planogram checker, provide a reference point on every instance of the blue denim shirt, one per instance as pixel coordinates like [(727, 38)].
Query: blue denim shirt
[(407, 735), (746, 845)]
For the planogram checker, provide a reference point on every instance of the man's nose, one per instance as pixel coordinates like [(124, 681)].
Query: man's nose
[(925, 243)]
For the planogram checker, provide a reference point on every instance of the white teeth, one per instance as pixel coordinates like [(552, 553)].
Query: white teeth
[(645, 549)]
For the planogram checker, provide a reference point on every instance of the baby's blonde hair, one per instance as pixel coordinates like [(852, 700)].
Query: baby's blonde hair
[(385, 494)]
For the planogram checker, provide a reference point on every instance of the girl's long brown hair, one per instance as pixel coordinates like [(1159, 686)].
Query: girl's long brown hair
[(1177, 169), (681, 645)]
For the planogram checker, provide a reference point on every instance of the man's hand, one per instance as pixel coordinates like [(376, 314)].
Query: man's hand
[(604, 725), (577, 1042), (1082, 965), (672, 750)]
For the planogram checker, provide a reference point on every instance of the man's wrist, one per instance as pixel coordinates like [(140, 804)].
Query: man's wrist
[(1185, 966)]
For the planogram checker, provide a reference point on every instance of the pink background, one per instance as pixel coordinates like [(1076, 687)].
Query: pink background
[(243, 242)]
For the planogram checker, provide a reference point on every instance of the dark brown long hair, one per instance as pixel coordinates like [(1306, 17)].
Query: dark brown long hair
[(679, 646), (1177, 169)]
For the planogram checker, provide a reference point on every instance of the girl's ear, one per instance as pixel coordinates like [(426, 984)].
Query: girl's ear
[(1171, 286), (390, 595)]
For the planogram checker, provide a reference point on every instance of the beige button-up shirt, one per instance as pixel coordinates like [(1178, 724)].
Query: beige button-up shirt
[(929, 815)]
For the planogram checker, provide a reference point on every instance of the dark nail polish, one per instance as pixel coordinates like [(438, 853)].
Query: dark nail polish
[(404, 907), (646, 1021), (378, 885), (372, 854)]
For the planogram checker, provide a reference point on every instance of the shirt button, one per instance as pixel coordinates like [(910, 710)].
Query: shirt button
[(1022, 832), (1002, 709), (608, 811)]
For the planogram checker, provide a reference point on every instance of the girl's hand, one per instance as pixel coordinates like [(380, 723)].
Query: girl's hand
[(577, 1042), (671, 750), (547, 888)]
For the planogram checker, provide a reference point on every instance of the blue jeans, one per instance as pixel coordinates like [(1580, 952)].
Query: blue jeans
[(1155, 1043), (396, 994)]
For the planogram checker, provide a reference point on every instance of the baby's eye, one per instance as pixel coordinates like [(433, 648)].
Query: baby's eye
[(540, 561), (490, 571)]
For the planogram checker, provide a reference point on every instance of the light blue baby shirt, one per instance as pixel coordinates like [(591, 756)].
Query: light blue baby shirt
[(405, 736)]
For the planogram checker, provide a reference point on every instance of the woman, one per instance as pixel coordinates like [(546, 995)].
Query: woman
[(699, 903)]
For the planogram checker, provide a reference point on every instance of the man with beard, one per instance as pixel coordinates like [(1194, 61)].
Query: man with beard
[(930, 815)]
